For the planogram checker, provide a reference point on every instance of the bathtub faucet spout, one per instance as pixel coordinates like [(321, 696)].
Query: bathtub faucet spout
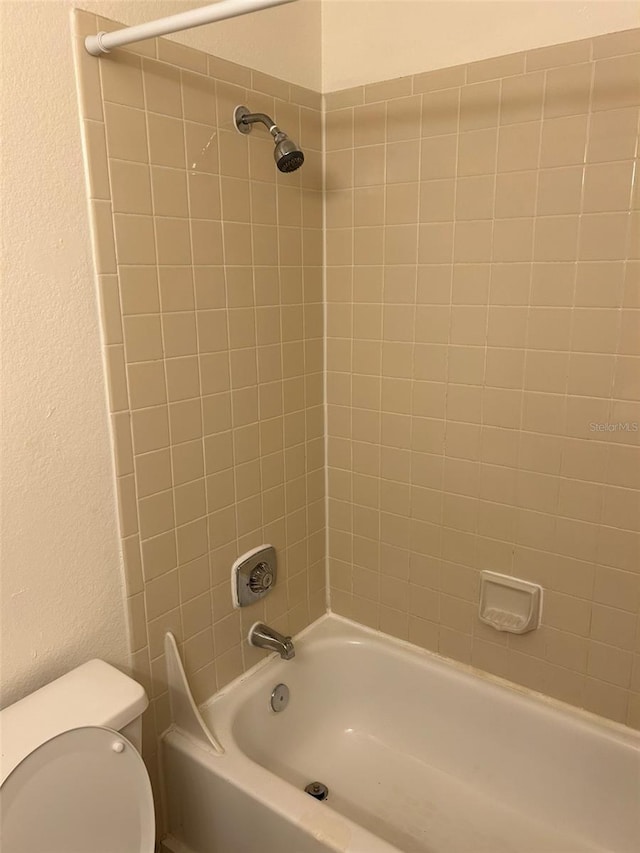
[(264, 637)]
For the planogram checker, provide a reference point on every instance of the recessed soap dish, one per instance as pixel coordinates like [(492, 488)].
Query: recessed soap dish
[(509, 604)]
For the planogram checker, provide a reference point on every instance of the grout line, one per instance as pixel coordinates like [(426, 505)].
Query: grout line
[(325, 311)]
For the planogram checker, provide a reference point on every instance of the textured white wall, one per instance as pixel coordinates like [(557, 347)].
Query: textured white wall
[(364, 41), (61, 589)]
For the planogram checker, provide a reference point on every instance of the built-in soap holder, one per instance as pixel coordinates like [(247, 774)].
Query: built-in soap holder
[(509, 604)]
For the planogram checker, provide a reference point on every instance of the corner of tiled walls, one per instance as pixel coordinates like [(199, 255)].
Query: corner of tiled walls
[(210, 279), (483, 314)]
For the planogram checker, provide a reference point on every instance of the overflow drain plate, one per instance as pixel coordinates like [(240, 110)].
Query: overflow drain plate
[(317, 790), (279, 697)]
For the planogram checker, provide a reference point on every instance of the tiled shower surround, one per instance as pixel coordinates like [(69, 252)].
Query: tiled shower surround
[(210, 276), (483, 322), (482, 309)]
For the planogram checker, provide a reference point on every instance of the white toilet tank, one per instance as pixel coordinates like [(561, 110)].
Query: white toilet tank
[(71, 776)]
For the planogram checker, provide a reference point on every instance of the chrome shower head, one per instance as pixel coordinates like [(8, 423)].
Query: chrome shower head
[(287, 155)]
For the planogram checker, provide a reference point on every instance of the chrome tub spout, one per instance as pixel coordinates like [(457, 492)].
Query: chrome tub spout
[(264, 637)]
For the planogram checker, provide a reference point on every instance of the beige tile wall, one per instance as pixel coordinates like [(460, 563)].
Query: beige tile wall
[(483, 311), (483, 304), (210, 276)]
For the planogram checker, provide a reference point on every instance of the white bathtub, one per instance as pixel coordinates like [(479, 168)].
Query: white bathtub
[(420, 755)]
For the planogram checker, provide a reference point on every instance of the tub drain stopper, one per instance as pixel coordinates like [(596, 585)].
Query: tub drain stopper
[(317, 790)]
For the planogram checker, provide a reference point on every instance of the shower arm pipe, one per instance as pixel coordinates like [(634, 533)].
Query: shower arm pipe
[(267, 121), (104, 42)]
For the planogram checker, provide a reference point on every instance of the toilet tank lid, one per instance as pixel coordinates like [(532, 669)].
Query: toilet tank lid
[(94, 694)]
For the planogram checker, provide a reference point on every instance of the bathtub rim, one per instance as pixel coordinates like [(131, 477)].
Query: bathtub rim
[(330, 623)]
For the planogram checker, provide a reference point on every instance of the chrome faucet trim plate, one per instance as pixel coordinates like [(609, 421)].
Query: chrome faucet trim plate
[(253, 575)]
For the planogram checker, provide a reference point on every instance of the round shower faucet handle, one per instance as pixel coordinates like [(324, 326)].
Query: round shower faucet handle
[(261, 578)]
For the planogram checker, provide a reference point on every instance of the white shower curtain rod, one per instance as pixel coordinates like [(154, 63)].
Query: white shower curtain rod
[(104, 42)]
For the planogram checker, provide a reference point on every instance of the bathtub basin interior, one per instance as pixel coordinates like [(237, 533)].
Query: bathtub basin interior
[(422, 755)]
